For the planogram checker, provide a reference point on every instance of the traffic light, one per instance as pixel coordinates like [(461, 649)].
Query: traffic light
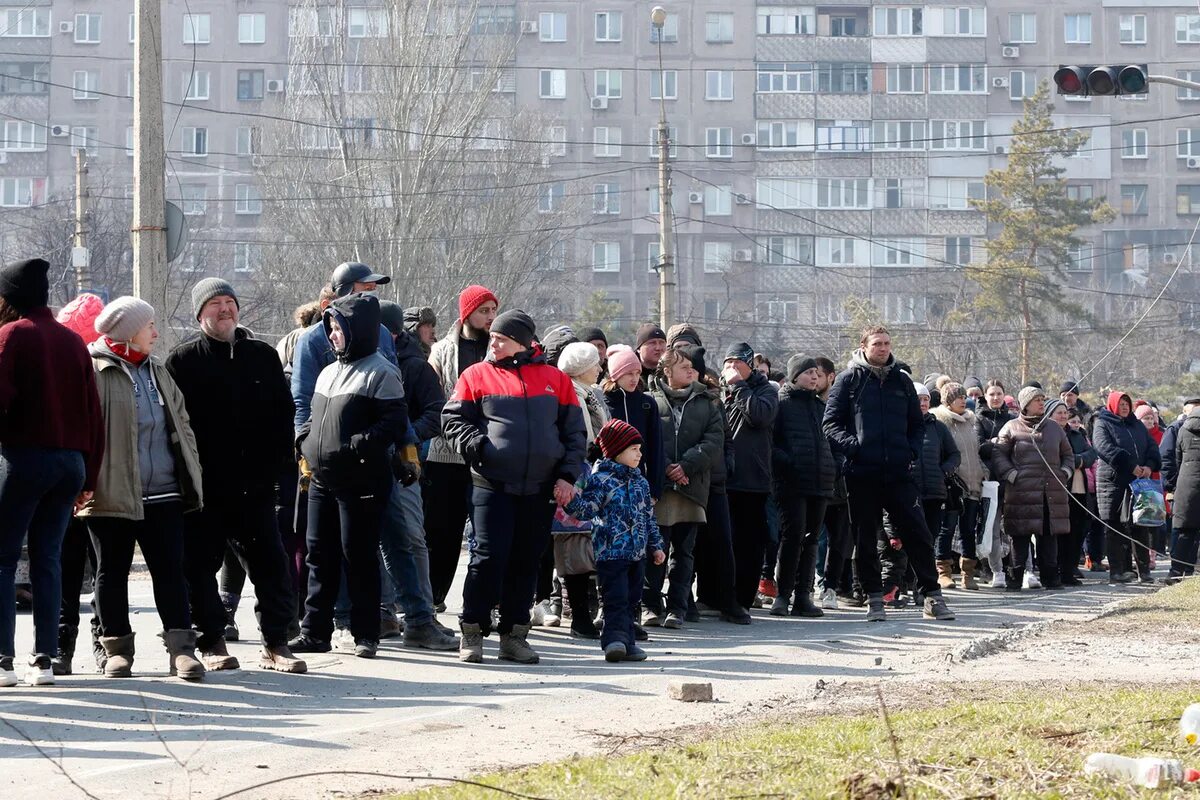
[(1101, 81)]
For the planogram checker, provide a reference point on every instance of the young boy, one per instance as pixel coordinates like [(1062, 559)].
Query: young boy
[(617, 496)]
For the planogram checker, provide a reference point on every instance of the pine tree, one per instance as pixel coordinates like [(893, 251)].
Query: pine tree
[(1025, 276)]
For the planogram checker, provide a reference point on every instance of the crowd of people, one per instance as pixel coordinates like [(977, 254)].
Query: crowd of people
[(618, 487)]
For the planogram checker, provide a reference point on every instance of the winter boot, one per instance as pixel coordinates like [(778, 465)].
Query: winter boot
[(945, 571), (61, 663), (280, 659), (471, 648), (118, 651), (514, 647), (1015, 578), (779, 606), (230, 602), (217, 657), (806, 576), (181, 649), (968, 573), (935, 608), (875, 612)]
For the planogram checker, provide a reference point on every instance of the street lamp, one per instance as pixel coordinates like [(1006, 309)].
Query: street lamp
[(666, 269)]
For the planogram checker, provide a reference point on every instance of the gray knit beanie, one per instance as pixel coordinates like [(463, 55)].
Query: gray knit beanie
[(1027, 396), (209, 288), (121, 319)]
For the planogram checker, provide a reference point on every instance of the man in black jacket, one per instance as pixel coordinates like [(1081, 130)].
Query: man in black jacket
[(873, 419), (241, 413)]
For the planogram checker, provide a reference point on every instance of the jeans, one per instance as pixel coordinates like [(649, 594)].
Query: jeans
[(159, 535), (679, 568), (292, 513), (774, 539), (405, 554), (748, 510), (620, 596), (246, 525), (511, 532), (839, 547), (964, 521), (713, 563), (869, 498), (446, 493), (38, 487)]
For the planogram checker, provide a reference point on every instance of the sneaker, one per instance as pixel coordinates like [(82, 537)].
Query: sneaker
[(342, 640), (998, 581), (584, 629), (614, 652), (853, 599), (779, 607), (674, 621), (875, 609), (552, 618), (1031, 581), (692, 615), (707, 611), (767, 588), (1122, 577), (440, 608), (1092, 566), (635, 653), (307, 644), (1147, 578), (736, 615), (8, 676), (537, 614), (640, 633), (232, 634), (651, 619), (365, 648), (40, 672), (429, 637), (936, 608), (895, 598), (829, 599)]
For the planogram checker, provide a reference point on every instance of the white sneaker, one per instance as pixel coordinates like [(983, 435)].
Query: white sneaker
[(8, 676), (342, 640), (1031, 581), (537, 614), (40, 672), (829, 599), (999, 581)]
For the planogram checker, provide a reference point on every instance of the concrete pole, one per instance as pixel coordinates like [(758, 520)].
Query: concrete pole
[(149, 233), (666, 269), (79, 252)]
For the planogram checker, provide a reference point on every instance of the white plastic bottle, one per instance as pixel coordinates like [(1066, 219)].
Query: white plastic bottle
[(1189, 723), (1149, 771)]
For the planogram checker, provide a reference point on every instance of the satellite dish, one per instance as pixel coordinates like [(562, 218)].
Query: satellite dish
[(176, 224)]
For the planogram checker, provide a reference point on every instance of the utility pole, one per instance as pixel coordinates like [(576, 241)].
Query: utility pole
[(80, 257), (149, 231), (666, 269)]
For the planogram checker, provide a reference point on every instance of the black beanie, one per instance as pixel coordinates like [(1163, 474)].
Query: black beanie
[(1068, 386), (25, 285), (694, 354), (516, 325), (740, 352), (646, 332), (391, 316), (592, 335), (799, 363)]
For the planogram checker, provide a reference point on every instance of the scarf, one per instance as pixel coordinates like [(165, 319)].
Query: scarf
[(125, 352)]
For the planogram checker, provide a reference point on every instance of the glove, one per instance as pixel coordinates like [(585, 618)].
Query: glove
[(306, 474), (406, 465)]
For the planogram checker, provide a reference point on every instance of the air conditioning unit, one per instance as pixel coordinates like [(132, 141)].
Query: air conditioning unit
[(1010, 51), (1001, 149), (66, 27), (275, 86), (1193, 163), (529, 26), (695, 197), (1170, 258), (999, 83), (65, 130), (741, 255), (599, 103), (3, 157), (743, 199), (749, 138)]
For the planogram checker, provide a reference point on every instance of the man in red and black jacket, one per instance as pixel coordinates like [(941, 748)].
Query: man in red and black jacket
[(517, 423)]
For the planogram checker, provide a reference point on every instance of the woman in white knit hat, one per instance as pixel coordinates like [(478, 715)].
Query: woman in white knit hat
[(149, 477)]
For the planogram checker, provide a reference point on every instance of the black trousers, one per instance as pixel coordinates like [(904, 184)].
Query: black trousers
[(1047, 550), (1183, 559), (620, 596), (245, 525), (713, 555), (800, 520), (160, 537), (678, 569), (446, 494), (840, 548), (869, 498), (77, 553), (1071, 550), (1126, 550), (748, 511)]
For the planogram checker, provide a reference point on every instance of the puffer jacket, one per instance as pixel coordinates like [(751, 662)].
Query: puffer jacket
[(801, 460), (1024, 448), (1167, 452), (1122, 443), (988, 424), (518, 424), (1187, 479), (970, 468), (422, 389), (617, 500), (446, 359), (751, 406), (1082, 450), (639, 410), (873, 419), (695, 440), (938, 459)]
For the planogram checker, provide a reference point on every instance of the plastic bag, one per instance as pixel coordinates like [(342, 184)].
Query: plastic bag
[(1149, 505)]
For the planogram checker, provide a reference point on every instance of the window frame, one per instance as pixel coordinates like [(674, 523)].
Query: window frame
[(547, 33), (199, 26), (609, 18), (1078, 19), (252, 17), (724, 82), (95, 34)]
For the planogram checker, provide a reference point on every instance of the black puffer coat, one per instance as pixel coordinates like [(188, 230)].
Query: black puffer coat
[(988, 424), (801, 460), (1122, 443), (750, 406), (1187, 481), (873, 419), (939, 457)]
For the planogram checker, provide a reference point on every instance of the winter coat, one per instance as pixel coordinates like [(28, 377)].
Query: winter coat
[(1083, 452), (970, 469), (938, 459), (595, 411), (1122, 443), (241, 411), (1025, 446), (1167, 450), (422, 389), (801, 460), (641, 411), (313, 354), (358, 409), (518, 424), (1187, 480), (751, 406), (873, 418), (136, 449), (988, 424), (617, 500), (695, 440), (446, 359)]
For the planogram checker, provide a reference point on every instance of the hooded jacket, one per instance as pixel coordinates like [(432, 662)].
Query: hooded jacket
[(241, 411), (693, 425), (450, 357), (938, 459), (801, 460), (314, 353), (873, 419), (617, 499), (1167, 452), (1187, 479), (422, 389), (1122, 443), (517, 423), (358, 408), (639, 410), (970, 466), (751, 406), (1033, 455)]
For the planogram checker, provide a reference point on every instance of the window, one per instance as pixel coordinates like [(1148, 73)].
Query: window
[(247, 141), (1187, 28), (963, 21), (717, 256), (606, 142), (776, 309), (957, 78), (250, 84), (247, 256), (904, 308), (718, 27), (1133, 28), (370, 23), (1021, 84), (899, 135), (654, 256), (712, 310), (552, 26), (551, 257), (24, 136), (779, 21), (664, 85), (315, 22), (718, 84), (85, 84), (1133, 143), (84, 138), (830, 309), (843, 193), (1133, 199), (195, 141), (196, 85), (1077, 28), (1081, 257), (22, 192), (790, 78), (608, 26), (129, 83), (903, 252), (899, 193), (670, 31), (898, 21), (1080, 191), (24, 77), (550, 197), (785, 251), (1187, 199), (906, 79), (194, 198), (958, 250), (958, 134), (847, 26), (718, 142), (955, 193), (129, 140), (1187, 142), (552, 84), (672, 142), (493, 20), (785, 134), (608, 83), (844, 78), (837, 250), (87, 29), (247, 199), (197, 28), (718, 201), (843, 134), (252, 28), (24, 22), (606, 198), (1187, 75), (1022, 28), (556, 141), (782, 193), (606, 256)]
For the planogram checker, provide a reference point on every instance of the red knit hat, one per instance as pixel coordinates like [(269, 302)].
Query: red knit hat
[(471, 298), (617, 436), (80, 314)]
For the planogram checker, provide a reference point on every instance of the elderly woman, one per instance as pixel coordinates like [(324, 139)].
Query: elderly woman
[(1085, 456), (960, 420), (1033, 456), (1126, 452)]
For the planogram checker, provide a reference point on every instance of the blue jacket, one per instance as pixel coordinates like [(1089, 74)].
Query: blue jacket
[(617, 500), (875, 424), (313, 354)]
